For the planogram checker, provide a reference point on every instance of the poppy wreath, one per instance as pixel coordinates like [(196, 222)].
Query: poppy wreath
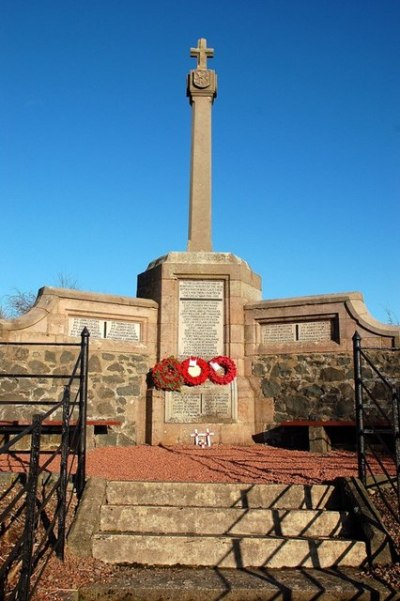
[(195, 380), (167, 374), (227, 364)]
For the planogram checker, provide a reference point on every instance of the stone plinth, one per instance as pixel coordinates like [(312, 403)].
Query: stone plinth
[(201, 298)]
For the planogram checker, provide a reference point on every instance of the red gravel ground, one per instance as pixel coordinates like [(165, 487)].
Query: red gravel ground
[(220, 463)]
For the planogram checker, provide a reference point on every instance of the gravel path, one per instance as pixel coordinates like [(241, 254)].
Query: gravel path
[(220, 463)]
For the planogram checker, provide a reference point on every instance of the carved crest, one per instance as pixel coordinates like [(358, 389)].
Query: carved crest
[(201, 78)]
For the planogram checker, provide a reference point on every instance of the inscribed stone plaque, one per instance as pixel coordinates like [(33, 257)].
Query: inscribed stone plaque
[(201, 318), (95, 326), (304, 331), (208, 403), (315, 330), (278, 332), (125, 331)]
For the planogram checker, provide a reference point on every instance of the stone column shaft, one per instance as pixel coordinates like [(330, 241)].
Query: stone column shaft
[(200, 176)]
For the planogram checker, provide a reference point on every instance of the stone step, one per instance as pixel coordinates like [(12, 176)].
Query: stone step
[(222, 521), (189, 494), (226, 551), (210, 584)]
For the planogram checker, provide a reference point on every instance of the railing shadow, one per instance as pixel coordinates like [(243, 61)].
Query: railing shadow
[(378, 428), (257, 466), (37, 513)]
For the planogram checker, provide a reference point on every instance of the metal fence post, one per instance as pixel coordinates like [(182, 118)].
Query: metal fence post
[(83, 388), (30, 521), (362, 472), (62, 487), (396, 425)]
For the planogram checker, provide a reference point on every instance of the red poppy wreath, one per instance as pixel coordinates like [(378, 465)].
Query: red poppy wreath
[(167, 374), (217, 365), (195, 371)]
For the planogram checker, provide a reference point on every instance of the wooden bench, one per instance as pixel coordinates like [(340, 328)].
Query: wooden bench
[(10, 427), (318, 436)]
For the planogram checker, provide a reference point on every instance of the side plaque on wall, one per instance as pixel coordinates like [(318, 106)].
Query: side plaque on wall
[(315, 330), (125, 331), (279, 332), (95, 326), (304, 331)]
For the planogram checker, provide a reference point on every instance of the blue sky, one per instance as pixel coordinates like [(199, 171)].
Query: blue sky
[(95, 141)]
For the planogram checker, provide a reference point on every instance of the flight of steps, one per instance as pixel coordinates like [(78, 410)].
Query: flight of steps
[(225, 526)]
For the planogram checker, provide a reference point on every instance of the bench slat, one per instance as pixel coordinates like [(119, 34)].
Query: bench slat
[(58, 423)]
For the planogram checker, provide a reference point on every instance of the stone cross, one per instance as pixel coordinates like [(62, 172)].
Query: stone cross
[(202, 53), (201, 89)]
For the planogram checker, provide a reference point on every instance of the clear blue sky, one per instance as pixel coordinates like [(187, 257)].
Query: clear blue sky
[(95, 141)]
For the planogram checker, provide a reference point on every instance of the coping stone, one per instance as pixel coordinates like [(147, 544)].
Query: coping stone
[(87, 519)]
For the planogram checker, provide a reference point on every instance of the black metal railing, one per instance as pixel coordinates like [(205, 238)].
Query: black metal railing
[(34, 505), (378, 428)]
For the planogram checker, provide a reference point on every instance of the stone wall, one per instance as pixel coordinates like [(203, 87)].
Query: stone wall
[(117, 390), (299, 354), (118, 368), (318, 386), (294, 360), (116, 387)]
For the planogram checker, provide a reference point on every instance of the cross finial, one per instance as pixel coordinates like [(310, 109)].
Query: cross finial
[(202, 53)]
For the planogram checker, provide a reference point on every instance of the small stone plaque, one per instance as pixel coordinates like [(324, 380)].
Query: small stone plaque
[(125, 331), (208, 403), (315, 330), (279, 332), (304, 331), (95, 326), (201, 318)]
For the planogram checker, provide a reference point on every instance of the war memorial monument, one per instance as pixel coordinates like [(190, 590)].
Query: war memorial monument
[(292, 357)]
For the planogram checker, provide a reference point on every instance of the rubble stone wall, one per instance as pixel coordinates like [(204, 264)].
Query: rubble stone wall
[(116, 386), (319, 386)]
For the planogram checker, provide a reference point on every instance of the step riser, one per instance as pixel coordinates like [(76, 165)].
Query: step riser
[(224, 552), (221, 495), (225, 525), (208, 521)]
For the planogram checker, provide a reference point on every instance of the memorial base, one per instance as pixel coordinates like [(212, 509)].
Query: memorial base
[(173, 420), (201, 298)]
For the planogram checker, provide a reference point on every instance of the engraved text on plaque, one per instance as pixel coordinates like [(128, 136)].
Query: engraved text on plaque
[(207, 403), (201, 318), (125, 331), (305, 331)]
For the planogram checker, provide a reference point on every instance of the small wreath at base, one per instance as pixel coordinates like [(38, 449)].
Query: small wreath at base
[(227, 365), (167, 374), (191, 364)]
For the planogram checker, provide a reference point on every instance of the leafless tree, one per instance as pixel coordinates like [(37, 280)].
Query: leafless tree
[(391, 317), (66, 281), (22, 301)]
